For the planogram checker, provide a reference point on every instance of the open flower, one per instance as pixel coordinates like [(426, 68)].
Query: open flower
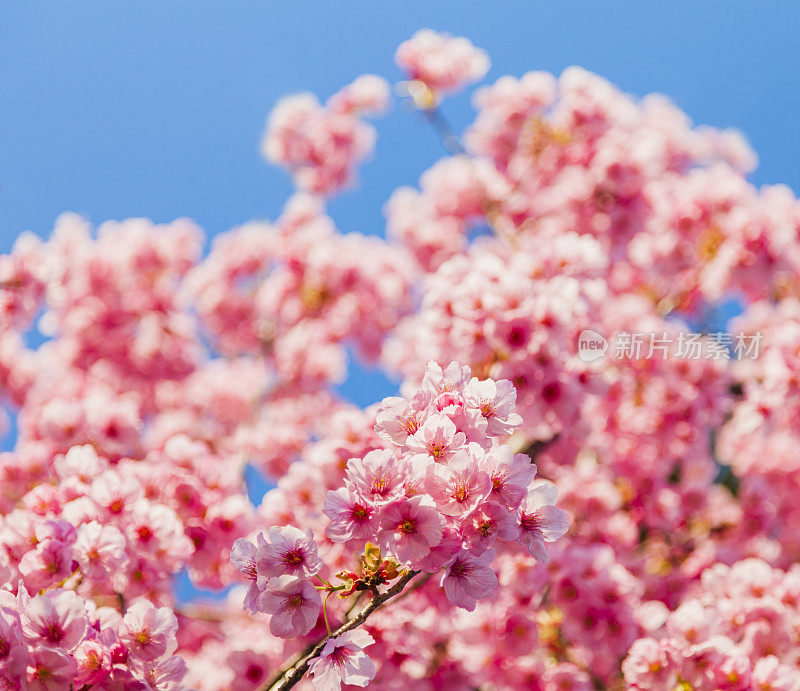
[(469, 578), (148, 632), (378, 476), (489, 522), (351, 515), (290, 552), (50, 670), (540, 521), (496, 402), (460, 486), (410, 527), (437, 438), (511, 475), (294, 604), (244, 555), (343, 660), (99, 549), (57, 619)]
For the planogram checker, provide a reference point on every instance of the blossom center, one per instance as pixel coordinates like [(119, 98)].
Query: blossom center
[(293, 557), (254, 673), (380, 483), (296, 601), (498, 482), (461, 493), (410, 423), (436, 449), (408, 526), (460, 569), (360, 513), (53, 632), (340, 655), (531, 522)]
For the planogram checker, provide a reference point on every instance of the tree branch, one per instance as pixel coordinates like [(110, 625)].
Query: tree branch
[(286, 678)]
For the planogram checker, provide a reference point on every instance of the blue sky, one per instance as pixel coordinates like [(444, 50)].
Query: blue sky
[(155, 108)]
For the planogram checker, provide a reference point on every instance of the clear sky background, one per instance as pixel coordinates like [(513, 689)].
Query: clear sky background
[(156, 107)]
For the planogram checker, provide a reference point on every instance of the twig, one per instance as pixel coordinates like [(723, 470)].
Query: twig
[(447, 134), (288, 677)]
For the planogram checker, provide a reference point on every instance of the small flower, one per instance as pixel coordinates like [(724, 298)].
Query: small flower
[(437, 438), (99, 549), (378, 476), (294, 604), (148, 632), (94, 662), (489, 522), (244, 555), (458, 487), (162, 675), (469, 578), (496, 402), (398, 418), (540, 521), (352, 517), (454, 377), (46, 565), (50, 670), (343, 660), (55, 620), (290, 552), (511, 475), (411, 527)]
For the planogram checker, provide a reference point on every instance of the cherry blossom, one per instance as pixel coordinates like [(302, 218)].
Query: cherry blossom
[(512, 515)]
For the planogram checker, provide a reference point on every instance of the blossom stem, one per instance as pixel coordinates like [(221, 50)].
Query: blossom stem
[(289, 676), (325, 611)]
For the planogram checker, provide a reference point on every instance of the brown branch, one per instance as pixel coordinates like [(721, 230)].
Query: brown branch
[(287, 677)]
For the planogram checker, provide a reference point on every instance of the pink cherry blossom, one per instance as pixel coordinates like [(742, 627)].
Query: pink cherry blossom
[(411, 527), (511, 475), (540, 521), (343, 660), (290, 551), (57, 619), (294, 604), (459, 487), (489, 522), (468, 578), (99, 549), (351, 515), (148, 632), (244, 555), (437, 437), (443, 62), (49, 670), (378, 476), (496, 402)]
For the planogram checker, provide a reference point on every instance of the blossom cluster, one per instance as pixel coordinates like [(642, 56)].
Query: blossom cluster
[(58, 640), (443, 495)]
